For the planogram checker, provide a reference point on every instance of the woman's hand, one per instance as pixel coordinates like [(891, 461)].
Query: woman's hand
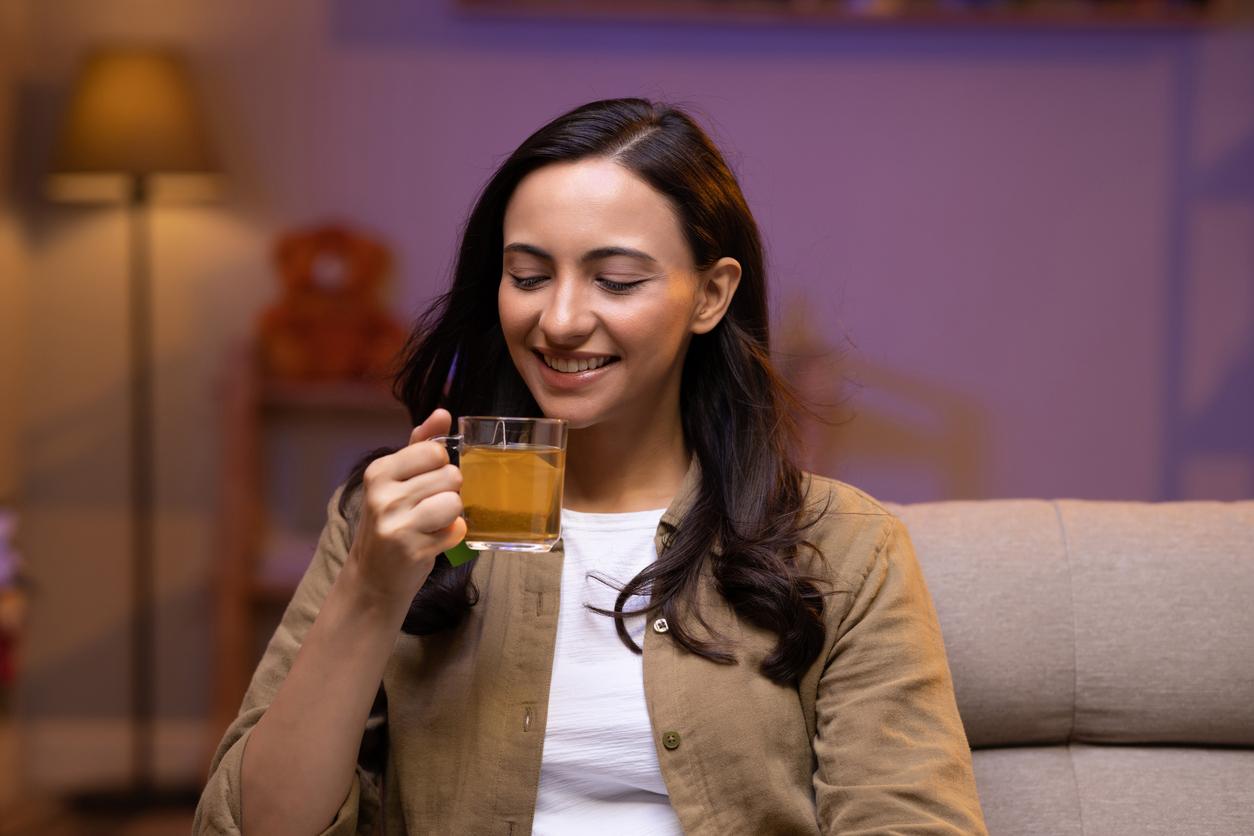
[(410, 513)]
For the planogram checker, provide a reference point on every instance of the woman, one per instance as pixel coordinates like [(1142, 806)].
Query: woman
[(762, 655)]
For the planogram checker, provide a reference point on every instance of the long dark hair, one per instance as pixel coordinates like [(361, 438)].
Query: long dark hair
[(747, 518)]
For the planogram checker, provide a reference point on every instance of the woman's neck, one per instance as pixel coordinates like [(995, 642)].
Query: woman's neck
[(612, 469)]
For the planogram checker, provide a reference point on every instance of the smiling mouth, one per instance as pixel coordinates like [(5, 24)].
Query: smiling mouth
[(568, 366)]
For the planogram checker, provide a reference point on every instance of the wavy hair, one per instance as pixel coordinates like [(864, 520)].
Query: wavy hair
[(747, 519)]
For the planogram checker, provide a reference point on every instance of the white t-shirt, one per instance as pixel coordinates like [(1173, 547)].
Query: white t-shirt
[(599, 771)]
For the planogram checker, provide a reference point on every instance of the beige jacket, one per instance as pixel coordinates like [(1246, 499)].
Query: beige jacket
[(869, 741)]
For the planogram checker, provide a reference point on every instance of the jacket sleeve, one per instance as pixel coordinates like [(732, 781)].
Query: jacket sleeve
[(220, 802), (892, 756)]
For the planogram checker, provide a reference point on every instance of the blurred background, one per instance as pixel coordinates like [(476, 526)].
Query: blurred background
[(1011, 251)]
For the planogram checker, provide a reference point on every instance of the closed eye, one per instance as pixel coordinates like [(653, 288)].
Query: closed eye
[(526, 282), (530, 282), (619, 287)]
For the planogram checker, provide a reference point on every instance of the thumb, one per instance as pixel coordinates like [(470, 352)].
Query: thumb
[(437, 423)]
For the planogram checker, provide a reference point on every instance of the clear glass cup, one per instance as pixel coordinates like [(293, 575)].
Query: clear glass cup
[(513, 471)]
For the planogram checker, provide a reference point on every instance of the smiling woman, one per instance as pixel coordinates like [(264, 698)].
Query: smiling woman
[(719, 642), (599, 331)]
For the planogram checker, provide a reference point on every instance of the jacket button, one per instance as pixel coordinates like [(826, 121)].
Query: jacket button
[(660, 626), (671, 740)]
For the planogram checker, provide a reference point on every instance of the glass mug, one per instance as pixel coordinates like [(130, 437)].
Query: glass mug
[(512, 475)]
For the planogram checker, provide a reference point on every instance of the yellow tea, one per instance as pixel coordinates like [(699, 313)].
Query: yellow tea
[(512, 496)]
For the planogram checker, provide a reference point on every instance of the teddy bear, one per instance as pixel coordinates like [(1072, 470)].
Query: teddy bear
[(328, 322)]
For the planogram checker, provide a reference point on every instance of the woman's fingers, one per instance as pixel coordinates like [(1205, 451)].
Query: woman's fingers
[(406, 463), (417, 488), (412, 511), (419, 458), (392, 497), (437, 423), (436, 512), (447, 537), (452, 534)]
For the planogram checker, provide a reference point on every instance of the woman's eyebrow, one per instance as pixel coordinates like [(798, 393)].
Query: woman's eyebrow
[(591, 255)]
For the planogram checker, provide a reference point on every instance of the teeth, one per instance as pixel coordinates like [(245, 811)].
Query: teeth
[(569, 366)]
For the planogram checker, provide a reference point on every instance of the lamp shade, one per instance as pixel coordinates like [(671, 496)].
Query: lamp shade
[(132, 111)]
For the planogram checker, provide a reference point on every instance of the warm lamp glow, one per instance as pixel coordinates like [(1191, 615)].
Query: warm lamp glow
[(116, 188), (132, 112)]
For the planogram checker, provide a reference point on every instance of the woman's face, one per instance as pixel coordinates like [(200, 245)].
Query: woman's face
[(599, 295)]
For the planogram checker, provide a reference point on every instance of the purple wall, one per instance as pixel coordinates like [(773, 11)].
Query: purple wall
[(1042, 236)]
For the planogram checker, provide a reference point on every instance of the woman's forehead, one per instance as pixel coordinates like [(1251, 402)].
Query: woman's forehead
[(568, 209)]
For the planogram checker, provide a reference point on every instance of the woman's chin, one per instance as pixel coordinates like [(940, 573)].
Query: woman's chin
[(576, 418), (572, 422)]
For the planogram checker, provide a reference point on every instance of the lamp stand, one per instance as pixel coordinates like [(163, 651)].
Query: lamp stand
[(143, 618), (142, 793)]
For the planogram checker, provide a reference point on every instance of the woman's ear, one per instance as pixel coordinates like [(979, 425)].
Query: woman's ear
[(717, 287)]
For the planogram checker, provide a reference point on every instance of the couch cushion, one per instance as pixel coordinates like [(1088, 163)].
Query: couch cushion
[(1028, 791), (997, 571), (1164, 614), (1115, 790), (1142, 790), (1094, 621)]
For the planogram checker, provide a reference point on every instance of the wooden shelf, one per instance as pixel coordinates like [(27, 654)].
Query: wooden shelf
[(1132, 14), (263, 550), (279, 566)]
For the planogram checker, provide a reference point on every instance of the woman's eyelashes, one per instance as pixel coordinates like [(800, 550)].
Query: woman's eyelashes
[(526, 282), (619, 287), (530, 282)]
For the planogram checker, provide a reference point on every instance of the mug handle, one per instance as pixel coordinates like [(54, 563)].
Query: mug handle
[(460, 553), (453, 444)]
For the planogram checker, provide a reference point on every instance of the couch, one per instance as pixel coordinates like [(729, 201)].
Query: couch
[(1103, 660)]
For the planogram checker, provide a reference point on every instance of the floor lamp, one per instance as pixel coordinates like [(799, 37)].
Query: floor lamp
[(132, 116)]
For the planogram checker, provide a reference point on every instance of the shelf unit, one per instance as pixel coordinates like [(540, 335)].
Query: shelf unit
[(1045, 13), (263, 548)]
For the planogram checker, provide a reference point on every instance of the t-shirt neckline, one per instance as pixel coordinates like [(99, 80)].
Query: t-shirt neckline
[(619, 520)]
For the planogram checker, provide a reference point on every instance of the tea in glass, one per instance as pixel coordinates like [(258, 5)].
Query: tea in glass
[(512, 475), (512, 495)]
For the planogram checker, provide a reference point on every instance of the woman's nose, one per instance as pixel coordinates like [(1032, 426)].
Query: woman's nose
[(566, 316)]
